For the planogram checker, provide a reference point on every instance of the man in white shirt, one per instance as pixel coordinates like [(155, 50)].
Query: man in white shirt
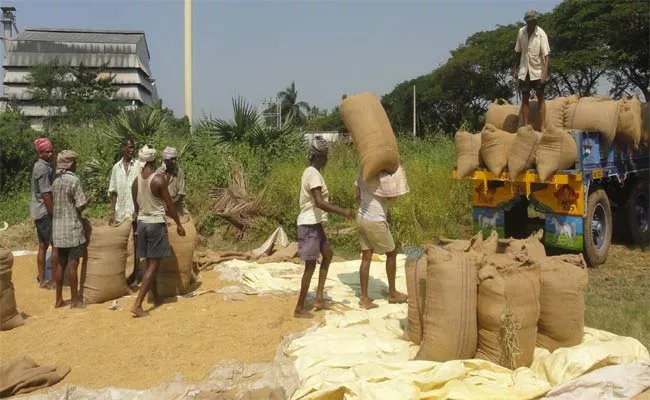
[(531, 65), (123, 174)]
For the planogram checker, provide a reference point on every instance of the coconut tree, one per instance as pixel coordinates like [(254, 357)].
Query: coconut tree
[(291, 107)]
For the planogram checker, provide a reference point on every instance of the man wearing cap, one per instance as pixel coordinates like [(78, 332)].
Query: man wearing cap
[(68, 236), (174, 176), (40, 203), (151, 198), (531, 64), (123, 174)]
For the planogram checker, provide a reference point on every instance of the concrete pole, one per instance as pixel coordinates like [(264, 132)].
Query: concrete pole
[(188, 59)]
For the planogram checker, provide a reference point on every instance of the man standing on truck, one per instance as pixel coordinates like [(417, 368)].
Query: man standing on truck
[(531, 64)]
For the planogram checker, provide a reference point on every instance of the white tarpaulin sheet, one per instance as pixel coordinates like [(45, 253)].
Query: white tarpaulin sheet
[(362, 354)]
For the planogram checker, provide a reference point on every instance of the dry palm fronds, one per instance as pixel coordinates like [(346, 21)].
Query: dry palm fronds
[(234, 205)]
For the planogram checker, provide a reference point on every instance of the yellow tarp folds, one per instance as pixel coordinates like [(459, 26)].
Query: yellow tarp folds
[(359, 354)]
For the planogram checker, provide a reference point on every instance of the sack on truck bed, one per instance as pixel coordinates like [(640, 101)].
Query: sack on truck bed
[(450, 330), (10, 318), (503, 115), (508, 311), (562, 301), (373, 137), (522, 152), (175, 272), (495, 146), (468, 153), (102, 275), (416, 280), (556, 151), (594, 116), (630, 123)]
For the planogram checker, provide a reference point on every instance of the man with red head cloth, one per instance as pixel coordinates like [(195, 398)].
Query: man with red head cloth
[(40, 202)]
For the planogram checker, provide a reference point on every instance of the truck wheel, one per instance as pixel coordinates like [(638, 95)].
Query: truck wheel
[(637, 213), (597, 228)]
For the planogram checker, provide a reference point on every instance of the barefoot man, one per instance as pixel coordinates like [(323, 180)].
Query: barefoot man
[(68, 236), (40, 203), (150, 199), (374, 233), (312, 242)]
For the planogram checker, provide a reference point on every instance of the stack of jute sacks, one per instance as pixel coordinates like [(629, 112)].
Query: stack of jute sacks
[(548, 147), (110, 255), (495, 300), (372, 134)]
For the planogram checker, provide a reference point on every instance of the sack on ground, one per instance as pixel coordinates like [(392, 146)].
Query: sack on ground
[(416, 281), (594, 116), (10, 318), (281, 254), (102, 275), (450, 330), (503, 115), (522, 152), (532, 247), (495, 146), (630, 123), (373, 137), (468, 153), (175, 272), (556, 151), (508, 311), (562, 301)]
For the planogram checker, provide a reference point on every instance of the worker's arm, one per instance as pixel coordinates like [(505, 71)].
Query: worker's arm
[(159, 187), (357, 196), (517, 59), (112, 193), (134, 196), (327, 206), (47, 200)]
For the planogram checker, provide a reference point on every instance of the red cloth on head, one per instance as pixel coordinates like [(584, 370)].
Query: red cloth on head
[(42, 144)]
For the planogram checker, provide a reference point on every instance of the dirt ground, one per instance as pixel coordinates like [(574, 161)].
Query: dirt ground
[(110, 348)]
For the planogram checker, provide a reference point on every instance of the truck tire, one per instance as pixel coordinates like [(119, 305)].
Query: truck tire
[(637, 213), (597, 228)]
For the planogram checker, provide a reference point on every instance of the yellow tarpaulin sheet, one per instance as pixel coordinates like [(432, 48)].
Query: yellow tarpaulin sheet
[(362, 354)]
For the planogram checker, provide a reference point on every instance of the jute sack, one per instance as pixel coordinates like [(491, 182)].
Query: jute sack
[(532, 247), (645, 124), (555, 111), (555, 152), (450, 307), (9, 316), (495, 146), (102, 276), (461, 244), (522, 152), (372, 134), (630, 122), (594, 116), (175, 272), (508, 311), (468, 153), (562, 301), (416, 281), (503, 115)]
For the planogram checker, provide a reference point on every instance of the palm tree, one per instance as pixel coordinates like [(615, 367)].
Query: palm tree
[(290, 106)]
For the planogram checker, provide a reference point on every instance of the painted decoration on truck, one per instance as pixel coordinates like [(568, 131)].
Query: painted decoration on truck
[(491, 197), (487, 220), (564, 231), (561, 199)]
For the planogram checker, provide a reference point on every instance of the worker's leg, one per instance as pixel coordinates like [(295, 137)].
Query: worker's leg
[(539, 92), (327, 253), (364, 277), (300, 311), (391, 271)]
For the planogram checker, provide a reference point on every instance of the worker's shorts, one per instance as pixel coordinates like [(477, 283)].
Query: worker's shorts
[(311, 241), (152, 240), (528, 85), (44, 229), (65, 254), (375, 236)]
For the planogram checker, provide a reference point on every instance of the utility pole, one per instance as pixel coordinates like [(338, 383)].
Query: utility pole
[(414, 115), (188, 59)]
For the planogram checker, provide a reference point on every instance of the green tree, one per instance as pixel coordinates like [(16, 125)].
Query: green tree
[(17, 151), (291, 108), (326, 121)]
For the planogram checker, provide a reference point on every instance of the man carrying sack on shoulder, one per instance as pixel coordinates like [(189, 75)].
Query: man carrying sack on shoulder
[(373, 199)]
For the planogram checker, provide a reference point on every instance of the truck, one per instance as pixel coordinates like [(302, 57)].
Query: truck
[(607, 190)]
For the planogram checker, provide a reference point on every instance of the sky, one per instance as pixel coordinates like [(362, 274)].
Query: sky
[(254, 49)]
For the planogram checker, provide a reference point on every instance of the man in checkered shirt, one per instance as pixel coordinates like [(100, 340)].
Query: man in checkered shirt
[(68, 235)]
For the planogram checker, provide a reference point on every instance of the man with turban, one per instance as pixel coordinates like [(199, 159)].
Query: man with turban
[(174, 176), (123, 174), (312, 242), (40, 203), (68, 236), (531, 64), (151, 198)]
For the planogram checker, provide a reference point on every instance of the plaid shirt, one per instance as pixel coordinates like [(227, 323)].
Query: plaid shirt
[(68, 197)]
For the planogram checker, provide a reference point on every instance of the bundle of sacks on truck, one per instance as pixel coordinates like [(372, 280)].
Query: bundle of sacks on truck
[(494, 299), (504, 144)]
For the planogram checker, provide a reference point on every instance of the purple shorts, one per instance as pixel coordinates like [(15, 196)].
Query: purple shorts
[(311, 241)]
